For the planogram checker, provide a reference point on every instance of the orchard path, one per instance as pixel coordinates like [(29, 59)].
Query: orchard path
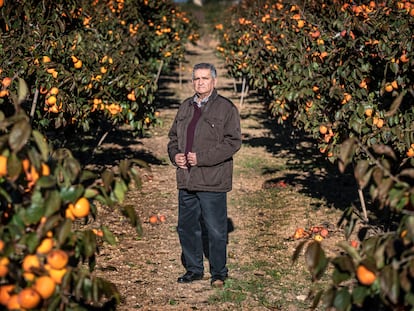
[(145, 269)]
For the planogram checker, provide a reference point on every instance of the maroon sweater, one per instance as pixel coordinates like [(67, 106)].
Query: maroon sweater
[(191, 128)]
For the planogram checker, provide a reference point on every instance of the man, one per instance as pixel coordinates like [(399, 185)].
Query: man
[(203, 138)]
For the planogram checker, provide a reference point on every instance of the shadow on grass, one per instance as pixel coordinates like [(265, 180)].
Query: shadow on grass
[(305, 166)]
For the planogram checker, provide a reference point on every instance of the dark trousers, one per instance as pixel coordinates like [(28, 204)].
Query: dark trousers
[(211, 208)]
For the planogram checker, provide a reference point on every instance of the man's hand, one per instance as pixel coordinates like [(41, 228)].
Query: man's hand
[(192, 159), (181, 160)]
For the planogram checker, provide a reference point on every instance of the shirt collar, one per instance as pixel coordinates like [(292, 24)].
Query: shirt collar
[(199, 102)]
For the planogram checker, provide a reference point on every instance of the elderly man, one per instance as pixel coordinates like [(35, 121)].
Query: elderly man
[(203, 138)]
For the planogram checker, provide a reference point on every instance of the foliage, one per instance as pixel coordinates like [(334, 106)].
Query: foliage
[(104, 58), (343, 72), (45, 197), (71, 67)]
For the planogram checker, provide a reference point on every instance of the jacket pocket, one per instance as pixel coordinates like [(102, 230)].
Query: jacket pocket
[(215, 128)]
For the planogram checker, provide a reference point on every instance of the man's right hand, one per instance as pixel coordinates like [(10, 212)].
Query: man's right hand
[(181, 160)]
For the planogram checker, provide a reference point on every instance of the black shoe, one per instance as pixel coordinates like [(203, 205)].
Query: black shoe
[(189, 276), (218, 282)]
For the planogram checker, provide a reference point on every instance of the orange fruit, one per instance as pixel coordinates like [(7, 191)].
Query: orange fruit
[(51, 100), (69, 213), (323, 129), (28, 276), (410, 152), (299, 233), (57, 259), (354, 244), (1, 245), (153, 219), (54, 91), (380, 123), (13, 303), (365, 276), (46, 59), (4, 93), (368, 112), (45, 286), (5, 291), (45, 169), (324, 232), (81, 208), (3, 166), (394, 84), (78, 64), (28, 298), (45, 246), (56, 274), (6, 82), (4, 270), (388, 87), (30, 262)]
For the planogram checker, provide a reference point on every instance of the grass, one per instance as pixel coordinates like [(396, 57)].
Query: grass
[(266, 275)]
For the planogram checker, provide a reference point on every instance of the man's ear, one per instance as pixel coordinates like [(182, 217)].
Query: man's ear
[(215, 82)]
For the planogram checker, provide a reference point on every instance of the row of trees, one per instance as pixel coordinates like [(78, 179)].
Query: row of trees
[(342, 71), (68, 68)]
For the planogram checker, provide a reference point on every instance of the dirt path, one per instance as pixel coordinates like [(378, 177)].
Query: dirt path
[(145, 269)]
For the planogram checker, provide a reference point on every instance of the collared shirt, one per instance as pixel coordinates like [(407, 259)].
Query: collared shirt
[(201, 102)]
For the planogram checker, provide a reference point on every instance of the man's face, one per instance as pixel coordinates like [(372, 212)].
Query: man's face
[(203, 82)]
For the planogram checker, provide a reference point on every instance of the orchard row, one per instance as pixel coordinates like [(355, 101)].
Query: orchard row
[(72, 67), (343, 72), (85, 61)]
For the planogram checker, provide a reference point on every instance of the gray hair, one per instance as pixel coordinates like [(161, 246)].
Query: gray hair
[(205, 66)]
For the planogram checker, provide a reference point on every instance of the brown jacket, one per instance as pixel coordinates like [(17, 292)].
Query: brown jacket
[(217, 138)]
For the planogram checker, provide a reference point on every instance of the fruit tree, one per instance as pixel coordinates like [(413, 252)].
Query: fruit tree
[(342, 72)]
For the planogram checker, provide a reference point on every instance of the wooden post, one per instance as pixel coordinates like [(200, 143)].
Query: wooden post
[(242, 91)]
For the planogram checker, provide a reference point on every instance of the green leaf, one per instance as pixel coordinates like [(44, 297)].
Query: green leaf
[(23, 91), (52, 203), (31, 240), (120, 190), (64, 231), (346, 153), (72, 193), (14, 166), (389, 283), (19, 135), (108, 235), (41, 144), (342, 300), (316, 259), (359, 294), (362, 174), (89, 243), (108, 178)]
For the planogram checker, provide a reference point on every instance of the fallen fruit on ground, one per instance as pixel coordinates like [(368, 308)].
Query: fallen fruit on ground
[(153, 219)]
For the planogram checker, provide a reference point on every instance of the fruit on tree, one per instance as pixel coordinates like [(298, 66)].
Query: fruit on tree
[(57, 259), (29, 262), (28, 298), (81, 208), (3, 166), (45, 246), (45, 286), (365, 276)]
